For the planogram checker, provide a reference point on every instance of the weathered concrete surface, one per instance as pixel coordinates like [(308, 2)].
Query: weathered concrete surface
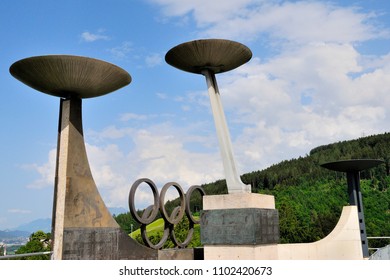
[(344, 242), (217, 55), (239, 226), (83, 228), (251, 207), (381, 254), (102, 243), (68, 75), (238, 201), (181, 254)]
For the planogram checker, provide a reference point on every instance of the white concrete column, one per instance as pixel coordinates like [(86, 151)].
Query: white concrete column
[(233, 180)]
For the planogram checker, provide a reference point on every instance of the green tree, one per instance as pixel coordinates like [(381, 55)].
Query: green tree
[(126, 222), (38, 242)]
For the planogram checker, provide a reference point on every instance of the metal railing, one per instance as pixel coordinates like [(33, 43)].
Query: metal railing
[(25, 255), (51, 252), (377, 237)]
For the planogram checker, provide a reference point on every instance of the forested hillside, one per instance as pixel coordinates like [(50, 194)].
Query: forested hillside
[(310, 198)]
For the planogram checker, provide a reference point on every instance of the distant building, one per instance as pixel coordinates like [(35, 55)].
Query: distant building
[(3, 249)]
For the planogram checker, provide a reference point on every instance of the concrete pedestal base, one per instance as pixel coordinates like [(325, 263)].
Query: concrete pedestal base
[(181, 254), (240, 226), (237, 221), (103, 243)]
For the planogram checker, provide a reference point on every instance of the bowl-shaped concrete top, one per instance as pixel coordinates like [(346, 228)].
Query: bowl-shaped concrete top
[(67, 75), (217, 55), (353, 165)]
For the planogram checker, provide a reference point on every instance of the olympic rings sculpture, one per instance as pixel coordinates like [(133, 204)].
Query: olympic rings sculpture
[(151, 212)]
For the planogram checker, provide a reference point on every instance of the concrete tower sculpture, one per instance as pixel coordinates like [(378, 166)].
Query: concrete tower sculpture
[(352, 168), (240, 218), (209, 57), (83, 228)]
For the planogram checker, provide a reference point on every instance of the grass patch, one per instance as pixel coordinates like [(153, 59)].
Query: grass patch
[(152, 228)]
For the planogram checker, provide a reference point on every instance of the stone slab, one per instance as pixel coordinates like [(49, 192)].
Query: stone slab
[(103, 244), (381, 254), (181, 254), (239, 226), (238, 201)]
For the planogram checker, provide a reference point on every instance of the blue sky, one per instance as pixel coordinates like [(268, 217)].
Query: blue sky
[(320, 73)]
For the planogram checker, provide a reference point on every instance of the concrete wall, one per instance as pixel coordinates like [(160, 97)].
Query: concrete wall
[(381, 254), (342, 243)]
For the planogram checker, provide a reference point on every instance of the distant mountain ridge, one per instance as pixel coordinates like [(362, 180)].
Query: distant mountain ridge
[(43, 224), (33, 226), (8, 234)]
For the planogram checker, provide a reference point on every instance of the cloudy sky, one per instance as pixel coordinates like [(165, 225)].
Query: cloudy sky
[(320, 73)]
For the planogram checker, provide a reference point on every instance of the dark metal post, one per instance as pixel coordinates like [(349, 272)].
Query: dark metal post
[(352, 168), (355, 198)]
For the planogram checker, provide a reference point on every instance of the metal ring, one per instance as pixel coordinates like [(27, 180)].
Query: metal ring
[(188, 199), (191, 219), (151, 212), (147, 241), (176, 215), (186, 241)]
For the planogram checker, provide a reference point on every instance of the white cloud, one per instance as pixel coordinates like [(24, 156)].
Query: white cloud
[(159, 152), (110, 132), (46, 172), (265, 99), (121, 52), (92, 37), (345, 95), (18, 211), (298, 21), (153, 60), (316, 72), (131, 116), (161, 95), (3, 222), (204, 11)]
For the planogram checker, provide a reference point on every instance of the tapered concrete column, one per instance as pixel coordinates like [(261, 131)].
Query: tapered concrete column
[(233, 179), (78, 204)]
